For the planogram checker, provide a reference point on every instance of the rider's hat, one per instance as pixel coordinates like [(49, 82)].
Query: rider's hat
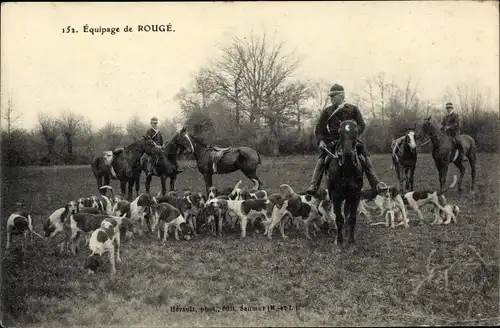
[(335, 89), (449, 105), (154, 119)]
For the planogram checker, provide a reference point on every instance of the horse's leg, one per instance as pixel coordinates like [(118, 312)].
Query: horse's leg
[(407, 178), (99, 182), (471, 156), (412, 174), (208, 180), (131, 188), (458, 163), (351, 220), (339, 218), (138, 184), (443, 172), (397, 168), (148, 182), (172, 184), (123, 187)]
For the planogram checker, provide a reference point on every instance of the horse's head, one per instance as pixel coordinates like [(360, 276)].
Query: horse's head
[(427, 127), (150, 147), (348, 132), (182, 141), (410, 137)]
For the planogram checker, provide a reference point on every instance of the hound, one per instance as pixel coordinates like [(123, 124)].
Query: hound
[(302, 207), (384, 201), (54, 225), (139, 208), (170, 216), (450, 212), (187, 206), (19, 223), (103, 240), (392, 216), (417, 199)]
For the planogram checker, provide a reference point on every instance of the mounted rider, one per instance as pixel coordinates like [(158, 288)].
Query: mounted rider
[(451, 126), (327, 133), (157, 137)]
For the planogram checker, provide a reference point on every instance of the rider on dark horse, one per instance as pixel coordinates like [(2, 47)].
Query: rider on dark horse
[(327, 133), (451, 126), (157, 137)]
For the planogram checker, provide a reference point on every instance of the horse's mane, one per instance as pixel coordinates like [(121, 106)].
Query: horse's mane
[(198, 140)]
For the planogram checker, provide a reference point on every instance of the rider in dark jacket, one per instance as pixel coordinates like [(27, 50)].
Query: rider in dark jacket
[(451, 126), (327, 132)]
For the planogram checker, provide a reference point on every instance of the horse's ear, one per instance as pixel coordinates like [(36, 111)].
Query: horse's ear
[(429, 118), (184, 129)]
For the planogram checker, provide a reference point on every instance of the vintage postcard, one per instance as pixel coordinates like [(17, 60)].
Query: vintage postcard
[(250, 164)]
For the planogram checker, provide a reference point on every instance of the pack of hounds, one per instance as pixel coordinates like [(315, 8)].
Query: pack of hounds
[(101, 221)]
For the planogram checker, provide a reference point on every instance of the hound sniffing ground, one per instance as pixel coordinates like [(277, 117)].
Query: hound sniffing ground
[(424, 275)]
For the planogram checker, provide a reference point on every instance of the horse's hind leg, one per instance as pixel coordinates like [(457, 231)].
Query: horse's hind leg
[(148, 183), (351, 220), (406, 178), (138, 185), (412, 176), (472, 162)]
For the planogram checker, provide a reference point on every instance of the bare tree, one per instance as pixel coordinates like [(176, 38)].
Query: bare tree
[(70, 125), (48, 128), (319, 95), (135, 128), (112, 134), (251, 71), (471, 100), (299, 93), (10, 115)]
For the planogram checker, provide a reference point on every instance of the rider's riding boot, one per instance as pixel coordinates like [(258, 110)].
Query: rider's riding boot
[(317, 177), (214, 166), (370, 174)]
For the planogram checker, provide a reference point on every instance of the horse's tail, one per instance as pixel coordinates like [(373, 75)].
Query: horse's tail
[(451, 186)]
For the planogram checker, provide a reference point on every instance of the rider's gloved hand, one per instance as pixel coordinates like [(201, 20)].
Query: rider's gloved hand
[(322, 145)]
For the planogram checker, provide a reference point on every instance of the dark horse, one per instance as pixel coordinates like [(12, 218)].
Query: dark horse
[(233, 159), (126, 163), (444, 153), (165, 167), (404, 159), (345, 179)]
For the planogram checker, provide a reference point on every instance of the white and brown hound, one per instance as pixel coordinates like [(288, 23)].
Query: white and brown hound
[(416, 199), (168, 215), (104, 239), (19, 223), (139, 209)]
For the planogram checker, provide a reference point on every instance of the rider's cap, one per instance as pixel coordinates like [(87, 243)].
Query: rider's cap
[(335, 89), (154, 119), (449, 105)]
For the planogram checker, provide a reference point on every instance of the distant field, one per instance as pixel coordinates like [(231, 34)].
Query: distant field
[(371, 284)]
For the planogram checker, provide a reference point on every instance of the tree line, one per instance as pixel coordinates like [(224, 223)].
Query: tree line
[(250, 95)]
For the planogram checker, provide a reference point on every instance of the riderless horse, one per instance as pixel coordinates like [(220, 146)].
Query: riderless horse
[(444, 153), (404, 158), (126, 164), (233, 159), (345, 179), (165, 167)]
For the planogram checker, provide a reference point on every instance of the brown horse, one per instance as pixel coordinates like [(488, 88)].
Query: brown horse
[(345, 179), (233, 159), (127, 165), (444, 153), (404, 159), (165, 166)]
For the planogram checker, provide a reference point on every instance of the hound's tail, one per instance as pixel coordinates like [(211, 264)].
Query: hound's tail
[(290, 190), (111, 189)]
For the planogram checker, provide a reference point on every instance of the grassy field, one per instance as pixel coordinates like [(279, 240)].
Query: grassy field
[(309, 283)]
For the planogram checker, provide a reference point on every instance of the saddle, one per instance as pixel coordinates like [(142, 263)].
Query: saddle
[(218, 152)]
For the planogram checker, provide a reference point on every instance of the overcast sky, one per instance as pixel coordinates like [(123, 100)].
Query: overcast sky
[(111, 77)]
